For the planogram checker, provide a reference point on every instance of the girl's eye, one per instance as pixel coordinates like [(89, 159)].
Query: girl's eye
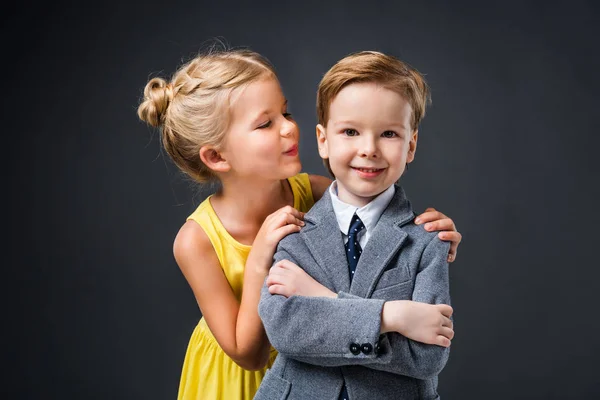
[(287, 115), (350, 132), (265, 125), (389, 134)]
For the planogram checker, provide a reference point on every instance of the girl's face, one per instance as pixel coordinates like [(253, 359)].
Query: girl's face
[(262, 141)]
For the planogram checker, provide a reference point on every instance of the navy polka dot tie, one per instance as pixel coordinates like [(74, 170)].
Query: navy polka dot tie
[(353, 249), (353, 252)]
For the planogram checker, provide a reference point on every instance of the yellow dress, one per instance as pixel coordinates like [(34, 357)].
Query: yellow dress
[(208, 373)]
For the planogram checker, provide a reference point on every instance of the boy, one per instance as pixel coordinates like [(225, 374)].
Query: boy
[(355, 345)]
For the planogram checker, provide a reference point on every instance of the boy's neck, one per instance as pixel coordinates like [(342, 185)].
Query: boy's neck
[(353, 199)]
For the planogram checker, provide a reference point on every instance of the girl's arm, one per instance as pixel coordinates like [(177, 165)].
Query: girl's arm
[(236, 326)]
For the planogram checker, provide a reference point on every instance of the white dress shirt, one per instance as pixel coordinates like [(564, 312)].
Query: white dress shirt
[(369, 214)]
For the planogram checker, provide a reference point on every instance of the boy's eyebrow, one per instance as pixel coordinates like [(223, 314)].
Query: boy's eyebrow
[(352, 122)]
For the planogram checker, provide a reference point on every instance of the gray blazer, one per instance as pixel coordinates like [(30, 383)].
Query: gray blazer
[(324, 342)]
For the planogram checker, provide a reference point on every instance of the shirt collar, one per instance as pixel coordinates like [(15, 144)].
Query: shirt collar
[(369, 213)]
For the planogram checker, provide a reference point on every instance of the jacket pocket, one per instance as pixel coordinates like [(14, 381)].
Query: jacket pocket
[(399, 291), (273, 387), (393, 276)]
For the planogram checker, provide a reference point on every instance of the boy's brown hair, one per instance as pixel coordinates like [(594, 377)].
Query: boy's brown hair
[(373, 66)]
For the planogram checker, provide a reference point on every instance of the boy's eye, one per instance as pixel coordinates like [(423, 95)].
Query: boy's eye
[(389, 134), (350, 132), (265, 125), (287, 115)]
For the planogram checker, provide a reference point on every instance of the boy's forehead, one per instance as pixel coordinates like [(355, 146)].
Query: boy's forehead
[(364, 98), (365, 91)]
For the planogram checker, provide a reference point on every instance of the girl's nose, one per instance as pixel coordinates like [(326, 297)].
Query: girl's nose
[(288, 128)]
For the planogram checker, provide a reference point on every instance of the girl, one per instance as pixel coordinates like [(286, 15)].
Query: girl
[(223, 117)]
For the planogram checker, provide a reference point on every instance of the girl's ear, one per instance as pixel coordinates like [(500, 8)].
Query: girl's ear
[(412, 146), (214, 159)]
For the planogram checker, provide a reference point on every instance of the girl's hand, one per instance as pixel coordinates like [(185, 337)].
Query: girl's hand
[(276, 226), (436, 221), (421, 322), (288, 279)]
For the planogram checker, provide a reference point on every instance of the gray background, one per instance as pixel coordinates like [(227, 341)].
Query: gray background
[(94, 304)]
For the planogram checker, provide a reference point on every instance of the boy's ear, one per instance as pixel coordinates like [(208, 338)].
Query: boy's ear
[(322, 142), (214, 159), (412, 146)]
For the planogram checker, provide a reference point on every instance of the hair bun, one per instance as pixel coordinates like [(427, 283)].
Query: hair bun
[(158, 94)]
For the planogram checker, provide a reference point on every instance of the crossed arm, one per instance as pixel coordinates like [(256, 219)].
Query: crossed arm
[(319, 330)]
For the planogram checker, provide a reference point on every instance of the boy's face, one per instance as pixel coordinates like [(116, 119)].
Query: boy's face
[(368, 140)]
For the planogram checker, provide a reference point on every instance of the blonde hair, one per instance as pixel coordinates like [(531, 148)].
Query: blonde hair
[(192, 110), (373, 66)]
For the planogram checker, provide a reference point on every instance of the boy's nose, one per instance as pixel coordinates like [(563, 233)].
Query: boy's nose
[(368, 148)]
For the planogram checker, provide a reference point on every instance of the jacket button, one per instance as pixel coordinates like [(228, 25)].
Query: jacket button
[(377, 349), (355, 348), (366, 348)]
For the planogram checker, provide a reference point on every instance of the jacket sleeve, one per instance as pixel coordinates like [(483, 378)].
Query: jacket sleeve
[(407, 357), (320, 330), (325, 331)]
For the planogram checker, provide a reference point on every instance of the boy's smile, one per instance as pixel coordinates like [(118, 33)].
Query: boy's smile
[(368, 140)]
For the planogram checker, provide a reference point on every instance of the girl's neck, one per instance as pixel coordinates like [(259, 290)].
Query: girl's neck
[(251, 201)]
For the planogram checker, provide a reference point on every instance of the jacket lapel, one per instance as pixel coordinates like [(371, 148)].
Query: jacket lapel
[(324, 240), (385, 241)]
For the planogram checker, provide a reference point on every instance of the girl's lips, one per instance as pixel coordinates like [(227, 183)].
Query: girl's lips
[(292, 152)]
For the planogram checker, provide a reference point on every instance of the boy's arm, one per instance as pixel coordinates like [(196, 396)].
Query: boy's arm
[(408, 357), (346, 330), (320, 330)]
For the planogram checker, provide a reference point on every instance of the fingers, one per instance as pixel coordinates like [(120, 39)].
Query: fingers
[(281, 270), (446, 332), (283, 222), (285, 264), (430, 214), (436, 221), (455, 239), (285, 218), (444, 224), (450, 236), (279, 289), (447, 322), (442, 341), (452, 252), (286, 230), (289, 210), (285, 215), (279, 284), (445, 309), (274, 279)]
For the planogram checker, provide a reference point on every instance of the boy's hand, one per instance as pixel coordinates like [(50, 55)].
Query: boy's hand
[(288, 279), (421, 322), (436, 221), (276, 226)]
